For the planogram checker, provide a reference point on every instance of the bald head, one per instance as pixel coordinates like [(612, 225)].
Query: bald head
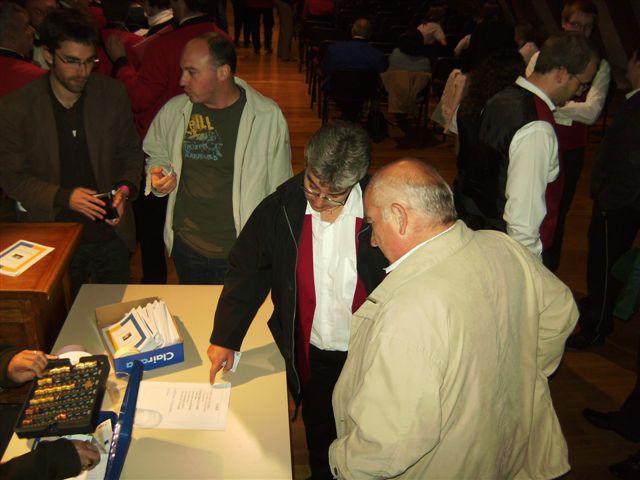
[(361, 29), (407, 202)]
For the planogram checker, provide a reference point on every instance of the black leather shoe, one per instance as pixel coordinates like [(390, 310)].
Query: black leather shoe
[(583, 341), (628, 469), (613, 421)]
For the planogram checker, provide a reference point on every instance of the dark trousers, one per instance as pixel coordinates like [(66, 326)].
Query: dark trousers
[(254, 15), (105, 262), (611, 235), (317, 410), (240, 21), (196, 269), (573, 162), (150, 212)]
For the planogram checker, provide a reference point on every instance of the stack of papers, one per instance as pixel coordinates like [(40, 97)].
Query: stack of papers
[(143, 329), (18, 257)]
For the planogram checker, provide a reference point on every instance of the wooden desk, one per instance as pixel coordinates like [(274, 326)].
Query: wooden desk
[(255, 444), (33, 306)]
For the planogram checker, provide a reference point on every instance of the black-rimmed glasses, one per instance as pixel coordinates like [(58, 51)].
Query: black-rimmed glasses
[(75, 62)]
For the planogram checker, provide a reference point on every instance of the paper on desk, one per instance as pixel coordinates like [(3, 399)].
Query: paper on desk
[(182, 406)]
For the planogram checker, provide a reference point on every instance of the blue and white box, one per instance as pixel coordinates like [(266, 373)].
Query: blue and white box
[(160, 357)]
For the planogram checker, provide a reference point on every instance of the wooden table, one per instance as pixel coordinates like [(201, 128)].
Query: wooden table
[(255, 444), (33, 305)]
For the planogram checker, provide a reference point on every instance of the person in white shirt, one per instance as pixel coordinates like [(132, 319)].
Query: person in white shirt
[(575, 115), (511, 187), (309, 245)]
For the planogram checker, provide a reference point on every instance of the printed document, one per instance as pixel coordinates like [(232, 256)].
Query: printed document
[(183, 406)]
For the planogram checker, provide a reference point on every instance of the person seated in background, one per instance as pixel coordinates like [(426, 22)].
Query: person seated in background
[(51, 460), (407, 76), (449, 358), (308, 244), (431, 29), (408, 54), (355, 54)]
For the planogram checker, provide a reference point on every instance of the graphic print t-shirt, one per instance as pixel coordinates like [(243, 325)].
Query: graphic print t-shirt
[(203, 213)]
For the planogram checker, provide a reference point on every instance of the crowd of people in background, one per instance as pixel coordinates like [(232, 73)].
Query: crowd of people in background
[(179, 132)]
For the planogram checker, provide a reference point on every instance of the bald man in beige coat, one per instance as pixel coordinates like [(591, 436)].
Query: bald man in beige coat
[(449, 359)]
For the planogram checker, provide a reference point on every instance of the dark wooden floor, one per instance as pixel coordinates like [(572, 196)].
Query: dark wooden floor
[(600, 378)]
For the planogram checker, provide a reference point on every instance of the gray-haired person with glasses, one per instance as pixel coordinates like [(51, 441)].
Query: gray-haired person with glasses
[(67, 137), (309, 245)]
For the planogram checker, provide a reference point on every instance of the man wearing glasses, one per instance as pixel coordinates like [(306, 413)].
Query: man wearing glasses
[(309, 245), (574, 116), (517, 182), (66, 137)]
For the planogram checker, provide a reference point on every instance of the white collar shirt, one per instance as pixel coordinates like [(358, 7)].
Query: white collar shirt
[(335, 273)]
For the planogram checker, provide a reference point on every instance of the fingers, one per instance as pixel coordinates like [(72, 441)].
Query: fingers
[(26, 365), (88, 453), (83, 201), (221, 358), (163, 183)]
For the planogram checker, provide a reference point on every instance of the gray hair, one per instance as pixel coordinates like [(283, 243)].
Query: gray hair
[(339, 154), (421, 189)]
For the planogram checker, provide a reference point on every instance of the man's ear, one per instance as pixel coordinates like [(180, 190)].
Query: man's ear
[(400, 218), (47, 55), (562, 75), (224, 72)]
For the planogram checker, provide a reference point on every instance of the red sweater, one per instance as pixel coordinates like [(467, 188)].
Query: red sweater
[(16, 72), (158, 78)]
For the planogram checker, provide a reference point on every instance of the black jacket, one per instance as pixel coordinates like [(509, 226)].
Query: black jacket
[(263, 258), (615, 179)]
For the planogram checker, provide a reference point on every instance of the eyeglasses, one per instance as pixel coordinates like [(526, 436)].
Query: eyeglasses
[(328, 198), (74, 62), (583, 85)]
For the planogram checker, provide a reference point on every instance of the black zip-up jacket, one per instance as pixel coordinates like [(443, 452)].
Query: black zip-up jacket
[(263, 258)]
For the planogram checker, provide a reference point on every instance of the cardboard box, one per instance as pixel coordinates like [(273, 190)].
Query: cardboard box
[(160, 357)]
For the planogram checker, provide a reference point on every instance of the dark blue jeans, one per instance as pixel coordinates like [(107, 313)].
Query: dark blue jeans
[(196, 269), (106, 262)]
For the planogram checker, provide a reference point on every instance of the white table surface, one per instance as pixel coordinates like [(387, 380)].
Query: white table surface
[(255, 444)]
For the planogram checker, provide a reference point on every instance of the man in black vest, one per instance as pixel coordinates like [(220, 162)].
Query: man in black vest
[(514, 186)]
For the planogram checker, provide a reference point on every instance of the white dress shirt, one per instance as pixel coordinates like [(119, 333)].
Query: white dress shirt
[(335, 274), (533, 163)]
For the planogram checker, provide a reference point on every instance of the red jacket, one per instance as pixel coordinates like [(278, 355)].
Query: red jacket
[(16, 72), (158, 78)]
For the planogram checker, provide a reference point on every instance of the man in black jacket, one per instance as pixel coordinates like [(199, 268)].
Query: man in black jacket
[(615, 220), (51, 460), (307, 243)]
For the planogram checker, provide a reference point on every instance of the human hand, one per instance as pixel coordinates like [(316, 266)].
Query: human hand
[(221, 358), (83, 201), (115, 48), (27, 364), (118, 202), (161, 182), (89, 454)]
